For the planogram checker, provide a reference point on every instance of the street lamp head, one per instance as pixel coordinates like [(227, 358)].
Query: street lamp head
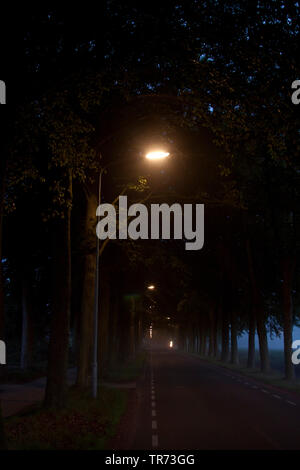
[(157, 155), (151, 287)]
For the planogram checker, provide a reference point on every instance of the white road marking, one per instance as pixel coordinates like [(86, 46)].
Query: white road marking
[(153, 411), (154, 440), (254, 386), (276, 396), (265, 391), (274, 444), (291, 402)]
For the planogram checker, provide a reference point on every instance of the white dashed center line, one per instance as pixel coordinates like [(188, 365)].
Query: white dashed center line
[(153, 411)]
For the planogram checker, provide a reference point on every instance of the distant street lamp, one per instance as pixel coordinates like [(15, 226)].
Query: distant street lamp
[(156, 155), (152, 287)]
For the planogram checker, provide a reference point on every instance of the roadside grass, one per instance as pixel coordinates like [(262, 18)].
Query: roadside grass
[(85, 423), (128, 371), (275, 377)]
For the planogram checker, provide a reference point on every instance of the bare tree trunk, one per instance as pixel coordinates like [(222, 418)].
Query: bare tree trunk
[(59, 340), (212, 331), (77, 282), (140, 321), (104, 313), (192, 339), (114, 325), (196, 342), (263, 342), (198, 339), (234, 344), (251, 340), (88, 293), (288, 266), (27, 325), (218, 326), (225, 336), (125, 333), (2, 192), (132, 314), (2, 435), (202, 339), (205, 337), (86, 323), (260, 315)]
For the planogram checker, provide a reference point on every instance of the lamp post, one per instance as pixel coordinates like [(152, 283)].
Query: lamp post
[(96, 303), (155, 155)]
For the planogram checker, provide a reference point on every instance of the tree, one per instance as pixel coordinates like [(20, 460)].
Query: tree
[(2, 436)]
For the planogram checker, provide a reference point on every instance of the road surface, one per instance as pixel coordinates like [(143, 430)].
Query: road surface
[(185, 403)]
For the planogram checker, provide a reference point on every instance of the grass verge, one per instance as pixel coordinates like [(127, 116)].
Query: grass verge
[(127, 372), (85, 424), (274, 378)]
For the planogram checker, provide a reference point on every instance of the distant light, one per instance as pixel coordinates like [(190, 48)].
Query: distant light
[(157, 155), (168, 318), (151, 287), (171, 344)]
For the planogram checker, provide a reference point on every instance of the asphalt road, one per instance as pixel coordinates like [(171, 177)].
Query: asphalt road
[(185, 403)]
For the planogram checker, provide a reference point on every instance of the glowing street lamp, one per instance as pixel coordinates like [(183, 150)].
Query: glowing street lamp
[(157, 155), (152, 287)]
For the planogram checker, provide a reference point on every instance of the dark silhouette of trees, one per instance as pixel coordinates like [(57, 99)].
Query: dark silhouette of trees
[(212, 82)]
